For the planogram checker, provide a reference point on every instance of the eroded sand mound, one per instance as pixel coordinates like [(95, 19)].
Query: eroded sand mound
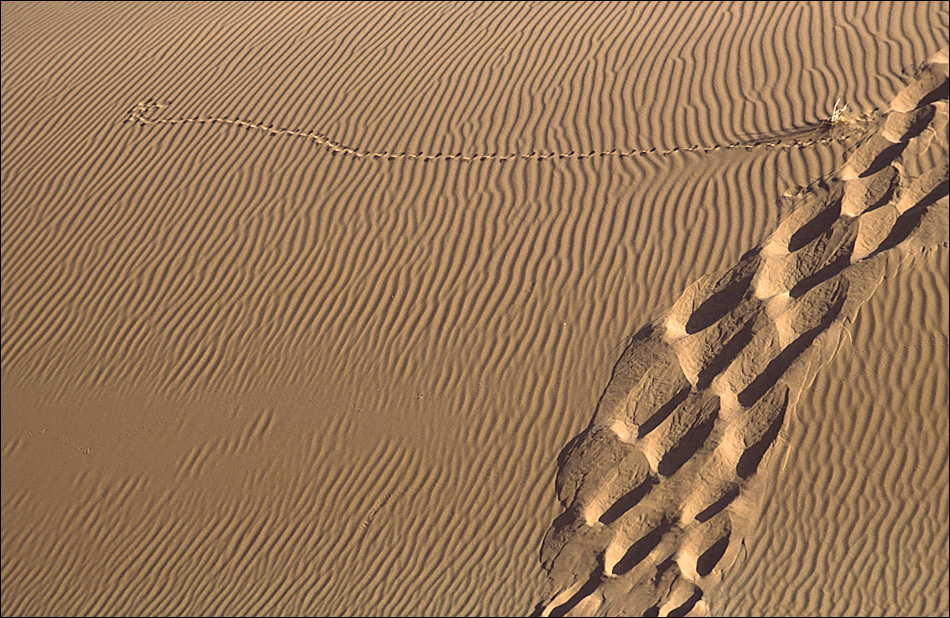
[(660, 490)]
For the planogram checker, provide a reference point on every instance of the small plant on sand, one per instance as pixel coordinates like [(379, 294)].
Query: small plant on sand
[(842, 116)]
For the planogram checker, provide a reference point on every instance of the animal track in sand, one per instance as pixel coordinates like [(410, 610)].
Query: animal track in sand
[(824, 132)]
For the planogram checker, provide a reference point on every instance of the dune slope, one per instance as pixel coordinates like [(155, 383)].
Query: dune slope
[(248, 366)]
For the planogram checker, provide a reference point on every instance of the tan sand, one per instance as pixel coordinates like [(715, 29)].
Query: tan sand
[(300, 303)]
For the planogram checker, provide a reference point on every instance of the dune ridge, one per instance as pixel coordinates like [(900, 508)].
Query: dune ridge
[(661, 486)]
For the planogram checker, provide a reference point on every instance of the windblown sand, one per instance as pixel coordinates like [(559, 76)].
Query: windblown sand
[(306, 306)]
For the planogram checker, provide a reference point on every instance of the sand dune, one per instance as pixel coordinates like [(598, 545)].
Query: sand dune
[(250, 367)]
